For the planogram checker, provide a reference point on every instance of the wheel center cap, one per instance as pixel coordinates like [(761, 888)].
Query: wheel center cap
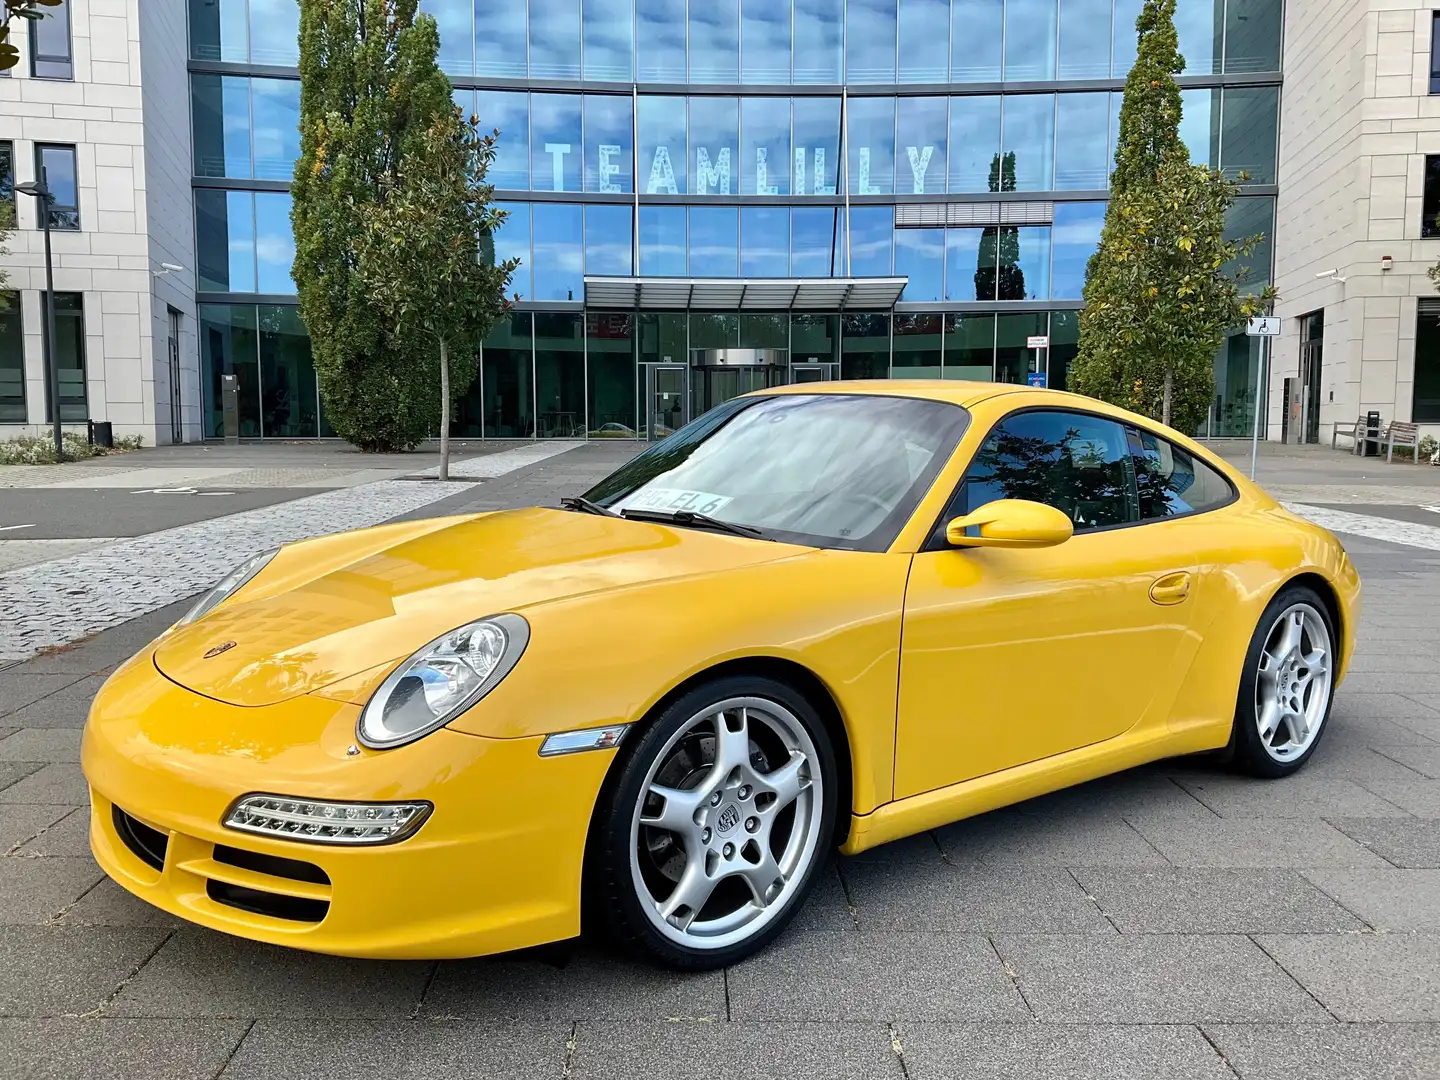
[(728, 819)]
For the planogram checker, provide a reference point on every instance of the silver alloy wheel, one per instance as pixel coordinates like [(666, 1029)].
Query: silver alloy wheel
[(1292, 685), (727, 823)]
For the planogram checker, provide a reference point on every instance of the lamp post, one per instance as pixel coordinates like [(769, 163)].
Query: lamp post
[(41, 193)]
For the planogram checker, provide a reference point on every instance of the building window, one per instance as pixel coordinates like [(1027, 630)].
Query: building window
[(1425, 408), (1430, 206), (7, 179), (1435, 53), (50, 53), (12, 360), (69, 357), (55, 165)]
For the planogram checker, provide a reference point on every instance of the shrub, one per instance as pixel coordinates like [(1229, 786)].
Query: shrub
[(40, 450)]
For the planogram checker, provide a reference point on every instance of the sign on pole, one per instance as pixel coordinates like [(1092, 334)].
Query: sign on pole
[(1263, 326), (1036, 378), (1037, 341)]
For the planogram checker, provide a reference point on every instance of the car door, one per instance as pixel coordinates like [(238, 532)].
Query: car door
[(1013, 655)]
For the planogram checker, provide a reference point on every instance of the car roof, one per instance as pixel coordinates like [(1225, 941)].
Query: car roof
[(955, 391)]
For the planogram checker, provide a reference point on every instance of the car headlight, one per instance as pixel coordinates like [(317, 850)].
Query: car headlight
[(442, 680), (229, 585)]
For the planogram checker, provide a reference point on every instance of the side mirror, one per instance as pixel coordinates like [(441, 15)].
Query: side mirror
[(1011, 523)]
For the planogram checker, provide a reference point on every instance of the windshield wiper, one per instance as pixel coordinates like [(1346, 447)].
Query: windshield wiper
[(585, 506), (694, 520)]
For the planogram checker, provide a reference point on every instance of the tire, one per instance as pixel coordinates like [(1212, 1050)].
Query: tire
[(1287, 686), (685, 881)]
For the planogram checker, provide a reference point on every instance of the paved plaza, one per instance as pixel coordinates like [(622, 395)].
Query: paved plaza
[(1173, 921)]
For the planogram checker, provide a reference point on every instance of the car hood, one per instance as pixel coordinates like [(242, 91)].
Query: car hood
[(345, 626)]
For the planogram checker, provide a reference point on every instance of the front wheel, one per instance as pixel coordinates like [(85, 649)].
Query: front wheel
[(1287, 685), (722, 810)]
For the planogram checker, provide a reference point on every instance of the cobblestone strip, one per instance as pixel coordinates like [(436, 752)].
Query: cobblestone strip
[(1376, 528), (63, 600)]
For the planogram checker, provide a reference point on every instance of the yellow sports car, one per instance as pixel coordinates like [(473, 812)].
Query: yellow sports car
[(823, 615)]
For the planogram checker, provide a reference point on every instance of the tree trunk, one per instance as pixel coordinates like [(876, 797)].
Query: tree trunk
[(445, 410), (1165, 407)]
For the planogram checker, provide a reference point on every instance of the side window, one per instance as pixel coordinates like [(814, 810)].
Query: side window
[(1078, 463), (1171, 481)]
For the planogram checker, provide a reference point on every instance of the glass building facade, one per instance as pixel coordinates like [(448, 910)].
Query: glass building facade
[(963, 146)]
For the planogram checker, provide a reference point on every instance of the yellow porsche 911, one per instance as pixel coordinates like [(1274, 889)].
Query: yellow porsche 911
[(821, 615)]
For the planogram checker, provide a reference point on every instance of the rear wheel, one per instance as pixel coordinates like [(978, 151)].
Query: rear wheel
[(720, 815), (1286, 690)]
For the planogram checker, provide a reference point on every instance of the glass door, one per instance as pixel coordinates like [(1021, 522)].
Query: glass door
[(1312, 340), (666, 394), (812, 372)]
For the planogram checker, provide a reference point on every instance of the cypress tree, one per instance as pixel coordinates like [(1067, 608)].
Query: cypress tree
[(1158, 297), (370, 90)]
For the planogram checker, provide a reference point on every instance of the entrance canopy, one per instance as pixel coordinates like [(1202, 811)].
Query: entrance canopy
[(744, 294)]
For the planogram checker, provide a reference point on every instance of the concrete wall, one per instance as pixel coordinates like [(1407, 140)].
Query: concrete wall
[(1356, 123), (109, 261), (166, 96)]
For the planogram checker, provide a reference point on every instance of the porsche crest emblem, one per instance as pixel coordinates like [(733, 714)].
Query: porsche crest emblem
[(223, 647)]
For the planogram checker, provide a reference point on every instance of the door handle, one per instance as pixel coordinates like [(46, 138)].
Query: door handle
[(1171, 589)]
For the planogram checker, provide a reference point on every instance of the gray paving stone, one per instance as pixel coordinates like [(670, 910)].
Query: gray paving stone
[(975, 898), (12, 772), (734, 1051), (1297, 796), (1418, 797), (1240, 844), (203, 973), (325, 1050), (1362, 763), (66, 1049), (54, 971), (591, 985), (1149, 793), (1406, 842), (1052, 837), (19, 688), (1386, 899), (19, 822), (1423, 686), (1057, 1052), (34, 891), (1330, 1051), (67, 838), (66, 708), (108, 904), (62, 784), (1378, 706), (1373, 732), (1393, 977), (41, 744), (827, 908), (1213, 901), (1424, 760), (875, 976), (911, 849), (1152, 979)]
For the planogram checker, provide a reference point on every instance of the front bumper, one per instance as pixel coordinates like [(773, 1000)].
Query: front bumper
[(497, 865)]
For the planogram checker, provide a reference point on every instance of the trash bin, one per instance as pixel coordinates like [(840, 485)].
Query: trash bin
[(101, 433), (1372, 431)]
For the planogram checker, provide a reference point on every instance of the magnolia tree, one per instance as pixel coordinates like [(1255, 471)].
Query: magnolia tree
[(420, 255), (1158, 297)]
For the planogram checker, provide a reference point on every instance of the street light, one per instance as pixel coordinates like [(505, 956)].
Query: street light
[(37, 190)]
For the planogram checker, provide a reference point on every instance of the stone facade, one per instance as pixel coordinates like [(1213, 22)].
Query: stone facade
[(1357, 119), (132, 140)]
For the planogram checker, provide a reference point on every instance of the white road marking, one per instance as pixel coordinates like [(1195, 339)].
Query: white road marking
[(1409, 533), (8, 528)]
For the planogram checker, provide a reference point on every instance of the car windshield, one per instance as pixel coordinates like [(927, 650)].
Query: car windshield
[(824, 470)]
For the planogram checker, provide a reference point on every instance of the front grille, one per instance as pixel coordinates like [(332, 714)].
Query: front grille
[(146, 844), (293, 908), (273, 865)]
